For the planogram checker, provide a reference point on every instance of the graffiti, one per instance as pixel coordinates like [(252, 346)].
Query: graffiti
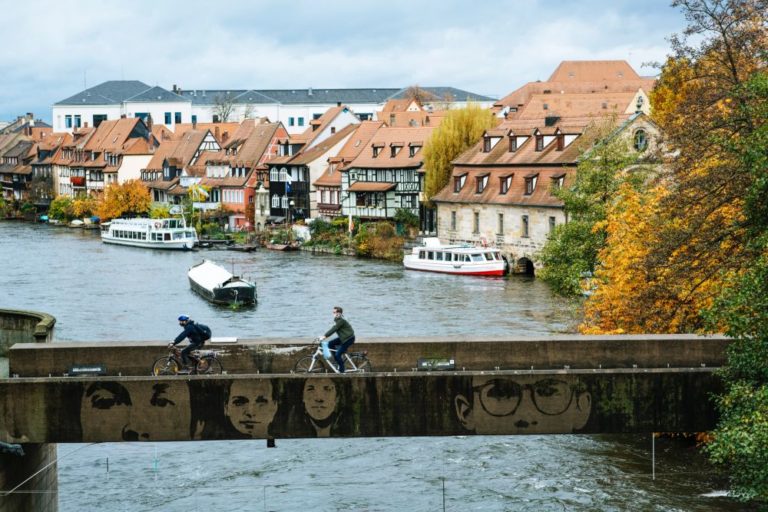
[(135, 411), (320, 400), (523, 405), (250, 407)]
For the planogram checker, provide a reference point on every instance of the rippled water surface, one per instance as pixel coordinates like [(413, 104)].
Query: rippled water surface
[(105, 292)]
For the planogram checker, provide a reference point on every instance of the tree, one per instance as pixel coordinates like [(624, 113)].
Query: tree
[(572, 249), (460, 130), (132, 198), (416, 93), (223, 106), (61, 208)]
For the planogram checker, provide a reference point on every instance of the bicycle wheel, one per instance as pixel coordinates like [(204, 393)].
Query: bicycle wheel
[(209, 367), (304, 364), (362, 363), (165, 366)]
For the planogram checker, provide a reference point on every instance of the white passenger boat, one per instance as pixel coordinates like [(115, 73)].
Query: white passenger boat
[(216, 284), (456, 259), (170, 233)]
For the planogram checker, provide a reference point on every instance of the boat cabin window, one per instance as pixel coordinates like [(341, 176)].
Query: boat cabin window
[(166, 236), (477, 257), (430, 255), (422, 255), (488, 256), (439, 256)]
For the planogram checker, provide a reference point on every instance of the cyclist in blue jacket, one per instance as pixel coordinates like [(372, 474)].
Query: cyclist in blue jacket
[(197, 337)]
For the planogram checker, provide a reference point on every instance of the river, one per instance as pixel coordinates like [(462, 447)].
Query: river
[(106, 292)]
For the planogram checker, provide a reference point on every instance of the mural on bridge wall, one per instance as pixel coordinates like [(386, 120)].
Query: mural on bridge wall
[(250, 407)]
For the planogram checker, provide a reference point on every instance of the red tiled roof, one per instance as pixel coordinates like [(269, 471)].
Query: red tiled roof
[(372, 186)]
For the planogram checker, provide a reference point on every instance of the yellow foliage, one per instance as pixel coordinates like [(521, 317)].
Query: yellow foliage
[(130, 197)]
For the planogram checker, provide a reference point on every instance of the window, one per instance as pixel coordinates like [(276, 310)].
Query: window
[(194, 118), (482, 181), (458, 182), (476, 222), (453, 221), (394, 150), (301, 122), (501, 224), (68, 121), (78, 123), (412, 150), (504, 183), (551, 224), (530, 184), (486, 144), (376, 151), (539, 142), (558, 181), (167, 118), (524, 226), (409, 201), (291, 121), (560, 142), (144, 116), (640, 141), (275, 201), (512, 143), (273, 174), (177, 117), (98, 119)]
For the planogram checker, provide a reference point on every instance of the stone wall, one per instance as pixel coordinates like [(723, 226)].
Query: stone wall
[(23, 327)]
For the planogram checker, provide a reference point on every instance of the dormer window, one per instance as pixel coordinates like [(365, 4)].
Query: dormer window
[(481, 182), (413, 149), (505, 182), (458, 182), (486, 144), (539, 142), (530, 183), (377, 147), (558, 180), (512, 143), (394, 149), (560, 141)]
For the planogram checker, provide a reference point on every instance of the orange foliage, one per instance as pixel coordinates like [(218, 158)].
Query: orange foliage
[(130, 197)]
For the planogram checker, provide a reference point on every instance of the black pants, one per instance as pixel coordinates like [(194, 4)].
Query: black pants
[(189, 348), (340, 351)]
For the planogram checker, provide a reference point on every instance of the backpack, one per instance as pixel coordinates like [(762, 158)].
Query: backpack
[(204, 330)]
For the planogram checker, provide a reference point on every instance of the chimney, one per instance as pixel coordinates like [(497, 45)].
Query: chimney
[(30, 115), (225, 137), (194, 122), (175, 89), (338, 103), (122, 116), (216, 133), (85, 124)]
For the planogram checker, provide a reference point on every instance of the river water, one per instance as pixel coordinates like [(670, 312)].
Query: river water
[(105, 292)]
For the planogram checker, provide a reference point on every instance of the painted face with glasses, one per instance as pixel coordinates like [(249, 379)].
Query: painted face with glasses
[(526, 404)]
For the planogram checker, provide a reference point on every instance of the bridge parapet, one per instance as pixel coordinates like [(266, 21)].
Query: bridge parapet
[(276, 355), (65, 410)]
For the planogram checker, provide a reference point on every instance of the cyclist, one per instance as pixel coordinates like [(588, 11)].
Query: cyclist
[(345, 336), (198, 334)]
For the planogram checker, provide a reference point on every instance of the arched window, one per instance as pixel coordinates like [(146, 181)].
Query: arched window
[(275, 201), (273, 176), (284, 201), (283, 174), (640, 141)]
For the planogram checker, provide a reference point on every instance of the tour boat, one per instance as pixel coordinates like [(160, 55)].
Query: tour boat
[(456, 259), (170, 233), (218, 285)]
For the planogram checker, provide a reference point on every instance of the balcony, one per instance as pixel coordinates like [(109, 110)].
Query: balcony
[(77, 181)]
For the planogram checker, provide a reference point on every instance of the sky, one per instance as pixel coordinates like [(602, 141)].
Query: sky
[(54, 49)]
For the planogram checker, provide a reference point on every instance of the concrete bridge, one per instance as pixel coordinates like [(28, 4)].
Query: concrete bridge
[(552, 385)]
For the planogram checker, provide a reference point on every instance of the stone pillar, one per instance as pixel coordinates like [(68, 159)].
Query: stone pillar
[(37, 466), (40, 492)]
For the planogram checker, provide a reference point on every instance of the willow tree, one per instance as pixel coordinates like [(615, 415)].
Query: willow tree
[(460, 130)]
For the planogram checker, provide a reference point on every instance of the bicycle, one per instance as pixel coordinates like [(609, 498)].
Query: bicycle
[(354, 362), (204, 362)]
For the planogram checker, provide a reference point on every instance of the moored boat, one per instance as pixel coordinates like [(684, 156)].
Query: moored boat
[(216, 284), (456, 259), (170, 233)]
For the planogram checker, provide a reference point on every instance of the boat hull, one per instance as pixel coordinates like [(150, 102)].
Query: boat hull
[(178, 245), (226, 295), (464, 270)]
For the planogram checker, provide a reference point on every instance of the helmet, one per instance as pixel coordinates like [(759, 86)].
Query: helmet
[(183, 318)]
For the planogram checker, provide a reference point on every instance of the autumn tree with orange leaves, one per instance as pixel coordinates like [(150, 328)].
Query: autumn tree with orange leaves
[(131, 198)]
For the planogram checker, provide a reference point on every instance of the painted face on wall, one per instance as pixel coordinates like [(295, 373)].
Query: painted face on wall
[(319, 398), (526, 404), (135, 411), (251, 407)]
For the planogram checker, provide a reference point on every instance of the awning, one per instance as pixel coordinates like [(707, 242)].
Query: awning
[(372, 186)]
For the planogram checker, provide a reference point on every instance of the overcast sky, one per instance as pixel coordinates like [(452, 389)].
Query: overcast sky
[(54, 49)]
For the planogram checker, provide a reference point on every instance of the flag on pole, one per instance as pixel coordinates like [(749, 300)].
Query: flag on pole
[(351, 223), (288, 181)]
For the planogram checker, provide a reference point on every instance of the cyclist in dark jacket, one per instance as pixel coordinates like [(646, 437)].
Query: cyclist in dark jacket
[(345, 333), (196, 337)]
